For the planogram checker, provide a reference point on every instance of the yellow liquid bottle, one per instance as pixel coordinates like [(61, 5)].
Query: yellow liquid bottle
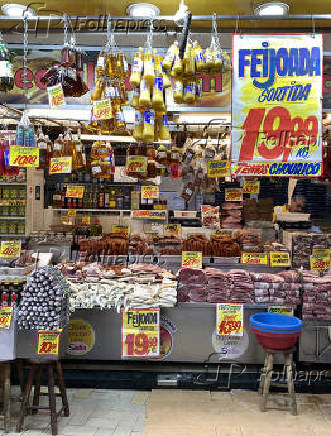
[(119, 118), (199, 59), (217, 60), (135, 98), (169, 57), (149, 68), (149, 120), (177, 66), (166, 81), (209, 59), (178, 92), (97, 92), (58, 147), (189, 93), (164, 128), (138, 125), (101, 64), (189, 66), (157, 100), (137, 68), (144, 97)]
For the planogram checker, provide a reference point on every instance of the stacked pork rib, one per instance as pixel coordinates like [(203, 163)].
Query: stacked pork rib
[(316, 297), (192, 285), (218, 286), (282, 288), (242, 288)]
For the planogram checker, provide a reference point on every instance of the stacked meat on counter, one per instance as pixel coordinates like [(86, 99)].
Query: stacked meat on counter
[(170, 245), (303, 244), (282, 288), (231, 216), (242, 288), (218, 285), (141, 244), (192, 285), (316, 297)]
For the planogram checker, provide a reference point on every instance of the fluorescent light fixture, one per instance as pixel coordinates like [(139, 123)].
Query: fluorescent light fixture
[(16, 10), (143, 10), (272, 8)]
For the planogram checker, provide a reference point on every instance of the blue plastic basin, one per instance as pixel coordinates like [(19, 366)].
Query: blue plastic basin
[(276, 323)]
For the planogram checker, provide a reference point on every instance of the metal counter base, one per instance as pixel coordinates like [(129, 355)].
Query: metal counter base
[(188, 334)]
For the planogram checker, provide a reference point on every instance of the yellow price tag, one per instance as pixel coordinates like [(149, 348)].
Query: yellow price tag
[(102, 110), (233, 194), (136, 164), (149, 192), (149, 214), (75, 191), (60, 165), (86, 219), (122, 230), (10, 249), (254, 258), (218, 168), (279, 258), (172, 230), (48, 342), (191, 259), (285, 310), (72, 212), (26, 157), (319, 263), (230, 319), (5, 317), (252, 187), (55, 96), (323, 252), (140, 333)]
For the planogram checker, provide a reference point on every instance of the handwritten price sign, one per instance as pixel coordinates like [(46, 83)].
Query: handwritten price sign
[(279, 258), (149, 192), (10, 249), (140, 333), (191, 259), (285, 310), (319, 263), (230, 319), (254, 258), (233, 194), (172, 230), (102, 110), (27, 157), (72, 212), (5, 317), (136, 164), (56, 96), (251, 187), (60, 165), (75, 191), (86, 220), (218, 168), (48, 342), (122, 230)]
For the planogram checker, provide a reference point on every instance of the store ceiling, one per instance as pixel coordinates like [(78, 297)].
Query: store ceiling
[(197, 7)]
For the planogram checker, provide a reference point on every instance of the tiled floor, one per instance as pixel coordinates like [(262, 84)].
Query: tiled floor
[(181, 413)]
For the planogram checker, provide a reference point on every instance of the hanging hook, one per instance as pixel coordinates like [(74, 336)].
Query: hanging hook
[(65, 29)]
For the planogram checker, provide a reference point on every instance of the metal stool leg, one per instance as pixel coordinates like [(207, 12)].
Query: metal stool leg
[(6, 396), (290, 385), (268, 375), (263, 373), (25, 401), (52, 399)]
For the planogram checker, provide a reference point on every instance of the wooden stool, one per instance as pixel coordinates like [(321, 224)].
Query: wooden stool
[(5, 385), (266, 376), (36, 368)]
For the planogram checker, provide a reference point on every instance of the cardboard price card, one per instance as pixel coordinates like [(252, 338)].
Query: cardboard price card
[(323, 252), (230, 319), (285, 310), (102, 110), (279, 258), (218, 168), (191, 259), (26, 157), (252, 187), (86, 220), (5, 317), (122, 230), (233, 194), (136, 164), (254, 258), (140, 333), (10, 249), (172, 230), (75, 191), (319, 263), (55, 96), (72, 212), (48, 342), (149, 192), (60, 165)]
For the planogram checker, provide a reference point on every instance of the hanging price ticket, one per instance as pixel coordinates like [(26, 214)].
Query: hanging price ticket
[(60, 165), (149, 192), (191, 259), (254, 258), (234, 194), (55, 96), (5, 317), (279, 258), (140, 333), (102, 109), (75, 191), (10, 249), (25, 157), (48, 342), (251, 187), (230, 319)]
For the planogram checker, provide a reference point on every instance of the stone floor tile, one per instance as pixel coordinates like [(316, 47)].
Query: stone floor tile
[(104, 431), (74, 430), (83, 393), (140, 398)]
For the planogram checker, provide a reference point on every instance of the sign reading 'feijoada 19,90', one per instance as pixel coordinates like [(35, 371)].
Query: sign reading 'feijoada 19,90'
[(277, 105)]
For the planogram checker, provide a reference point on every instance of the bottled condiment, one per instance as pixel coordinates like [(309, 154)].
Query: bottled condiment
[(137, 69), (178, 92), (149, 68), (144, 96), (138, 125), (149, 120), (164, 128)]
